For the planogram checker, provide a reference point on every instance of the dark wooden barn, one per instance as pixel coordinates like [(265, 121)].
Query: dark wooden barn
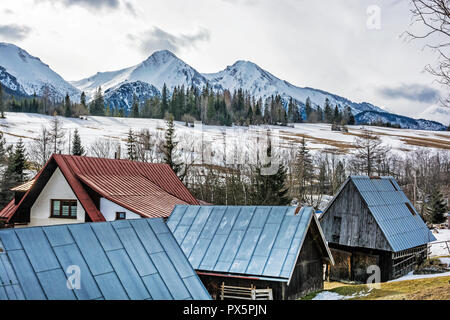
[(253, 252), (371, 222)]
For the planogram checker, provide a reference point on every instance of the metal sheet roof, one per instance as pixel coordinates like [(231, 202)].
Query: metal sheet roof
[(148, 189), (253, 241), (129, 259), (389, 206)]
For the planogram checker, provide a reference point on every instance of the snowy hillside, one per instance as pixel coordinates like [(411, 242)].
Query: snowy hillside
[(319, 137), (368, 117), (31, 75), (436, 113), (161, 67)]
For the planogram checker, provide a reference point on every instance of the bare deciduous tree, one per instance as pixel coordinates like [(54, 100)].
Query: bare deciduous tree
[(104, 148), (369, 153), (435, 15), (56, 134), (41, 148)]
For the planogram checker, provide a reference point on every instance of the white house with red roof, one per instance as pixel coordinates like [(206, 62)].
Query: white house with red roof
[(72, 189)]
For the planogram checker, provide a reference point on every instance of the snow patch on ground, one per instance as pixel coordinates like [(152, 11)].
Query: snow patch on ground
[(411, 276), (329, 295), (440, 249)]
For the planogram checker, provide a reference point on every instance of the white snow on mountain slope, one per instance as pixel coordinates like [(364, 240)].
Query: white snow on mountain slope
[(262, 84), (161, 67), (436, 113), (32, 74), (164, 67)]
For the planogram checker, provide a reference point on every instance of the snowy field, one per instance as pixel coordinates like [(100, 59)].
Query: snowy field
[(318, 136)]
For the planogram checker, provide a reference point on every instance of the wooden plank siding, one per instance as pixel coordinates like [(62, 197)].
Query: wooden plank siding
[(357, 227)]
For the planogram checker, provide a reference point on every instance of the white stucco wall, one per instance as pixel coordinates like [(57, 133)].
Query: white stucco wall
[(56, 188), (109, 209)]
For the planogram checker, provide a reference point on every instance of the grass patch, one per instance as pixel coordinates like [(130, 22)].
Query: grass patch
[(437, 288)]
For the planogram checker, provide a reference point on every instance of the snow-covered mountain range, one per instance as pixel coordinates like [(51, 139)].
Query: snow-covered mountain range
[(23, 74), (161, 67)]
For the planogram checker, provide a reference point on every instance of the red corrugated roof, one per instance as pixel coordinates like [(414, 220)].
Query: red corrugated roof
[(8, 210), (150, 190)]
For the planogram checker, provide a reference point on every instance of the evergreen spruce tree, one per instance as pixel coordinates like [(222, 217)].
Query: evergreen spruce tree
[(77, 148), (135, 107), (270, 190), (2, 105), (169, 148), (67, 107), (97, 107), (327, 112), (164, 102), (131, 146), (17, 163), (304, 170), (83, 99), (436, 207), (308, 109)]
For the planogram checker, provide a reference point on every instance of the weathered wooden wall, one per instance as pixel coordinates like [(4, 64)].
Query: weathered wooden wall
[(348, 222), (308, 273)]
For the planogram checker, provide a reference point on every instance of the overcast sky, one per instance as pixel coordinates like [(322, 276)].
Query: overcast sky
[(321, 44)]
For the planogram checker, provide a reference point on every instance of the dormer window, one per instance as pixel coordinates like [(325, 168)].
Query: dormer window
[(66, 209), (121, 215)]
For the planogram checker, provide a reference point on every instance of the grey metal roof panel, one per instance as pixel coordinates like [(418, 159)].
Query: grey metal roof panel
[(388, 205), (246, 240), (136, 259)]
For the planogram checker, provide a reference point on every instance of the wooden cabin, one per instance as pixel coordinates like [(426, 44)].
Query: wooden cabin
[(275, 252), (370, 221)]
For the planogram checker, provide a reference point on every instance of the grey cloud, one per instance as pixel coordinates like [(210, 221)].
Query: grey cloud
[(158, 39), (93, 4), (412, 92), (14, 32)]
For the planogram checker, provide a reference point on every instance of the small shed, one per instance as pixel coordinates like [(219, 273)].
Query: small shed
[(281, 249), (370, 222), (127, 259)]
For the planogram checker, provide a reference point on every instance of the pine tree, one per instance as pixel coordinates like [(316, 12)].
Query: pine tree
[(169, 148), (2, 106), (97, 107), (164, 102), (304, 170), (135, 107), (327, 112), (308, 109), (270, 190), (67, 107), (131, 146), (83, 99), (17, 163), (436, 207), (77, 148)]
